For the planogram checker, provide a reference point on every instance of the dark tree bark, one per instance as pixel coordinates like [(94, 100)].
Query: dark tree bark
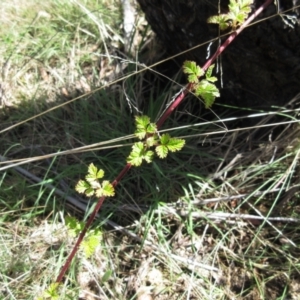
[(262, 66)]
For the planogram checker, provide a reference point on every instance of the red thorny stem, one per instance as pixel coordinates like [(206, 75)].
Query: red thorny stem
[(190, 86), (87, 225), (160, 122)]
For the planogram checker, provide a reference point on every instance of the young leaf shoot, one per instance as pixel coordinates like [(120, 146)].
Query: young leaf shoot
[(204, 88), (237, 15), (92, 186)]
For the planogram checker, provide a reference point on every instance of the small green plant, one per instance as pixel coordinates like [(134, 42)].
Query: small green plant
[(238, 12), (91, 240), (147, 131), (204, 88), (51, 293), (92, 186)]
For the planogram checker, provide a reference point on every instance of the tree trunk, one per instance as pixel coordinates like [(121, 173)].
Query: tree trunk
[(262, 66)]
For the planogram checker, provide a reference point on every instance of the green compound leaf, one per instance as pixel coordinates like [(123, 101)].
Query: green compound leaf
[(74, 226), (144, 126), (238, 13), (148, 156), (51, 292), (205, 89), (240, 7), (208, 92), (135, 156), (168, 144), (165, 138), (212, 79), (141, 126), (151, 128), (94, 173), (234, 6), (162, 151), (246, 5), (84, 187), (108, 189), (175, 144), (91, 186), (223, 21), (209, 73), (138, 153), (142, 121), (91, 242), (193, 71)]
